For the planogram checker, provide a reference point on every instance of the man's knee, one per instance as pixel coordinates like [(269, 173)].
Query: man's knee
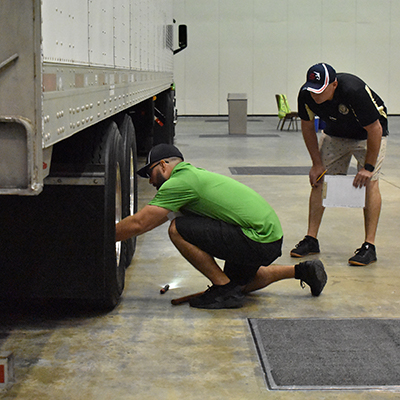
[(373, 186), (172, 231)]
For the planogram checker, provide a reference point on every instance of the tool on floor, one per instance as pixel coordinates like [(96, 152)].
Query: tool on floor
[(185, 299), (164, 289)]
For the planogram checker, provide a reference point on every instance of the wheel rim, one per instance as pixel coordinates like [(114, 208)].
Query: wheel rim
[(118, 209), (131, 183)]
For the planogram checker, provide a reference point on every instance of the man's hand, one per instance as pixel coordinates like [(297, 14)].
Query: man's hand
[(315, 172), (362, 178), (311, 141), (373, 145)]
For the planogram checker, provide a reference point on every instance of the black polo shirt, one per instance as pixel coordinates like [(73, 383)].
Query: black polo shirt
[(354, 105)]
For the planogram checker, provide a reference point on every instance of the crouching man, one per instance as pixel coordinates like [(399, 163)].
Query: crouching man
[(221, 218)]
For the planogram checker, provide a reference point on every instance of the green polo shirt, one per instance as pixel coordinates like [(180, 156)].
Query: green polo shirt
[(219, 197)]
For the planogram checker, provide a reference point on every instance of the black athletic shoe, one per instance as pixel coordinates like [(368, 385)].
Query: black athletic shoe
[(313, 273), (308, 245), (365, 255), (220, 296)]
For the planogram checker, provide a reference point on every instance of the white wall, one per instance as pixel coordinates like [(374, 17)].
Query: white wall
[(263, 47)]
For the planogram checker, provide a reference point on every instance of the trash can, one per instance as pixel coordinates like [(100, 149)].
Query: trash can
[(319, 124), (316, 123), (237, 110)]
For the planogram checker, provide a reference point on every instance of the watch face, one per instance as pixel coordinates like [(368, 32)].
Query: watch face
[(369, 167)]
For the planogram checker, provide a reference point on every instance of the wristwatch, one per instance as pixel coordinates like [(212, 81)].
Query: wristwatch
[(369, 167)]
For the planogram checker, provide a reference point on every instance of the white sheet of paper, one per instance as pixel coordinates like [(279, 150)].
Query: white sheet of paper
[(340, 192)]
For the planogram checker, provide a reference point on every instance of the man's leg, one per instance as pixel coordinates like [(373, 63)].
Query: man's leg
[(373, 200), (315, 212), (201, 260), (310, 245), (372, 210), (336, 155), (224, 293), (206, 264), (366, 254), (228, 294), (310, 272), (267, 275)]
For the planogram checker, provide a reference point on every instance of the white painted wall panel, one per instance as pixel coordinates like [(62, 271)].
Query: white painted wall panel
[(135, 31), (201, 59), (270, 37), (235, 50), (65, 31), (391, 68), (144, 34), (304, 43), (101, 32), (372, 44), (164, 29), (109, 33), (121, 33), (152, 34), (339, 33), (263, 47)]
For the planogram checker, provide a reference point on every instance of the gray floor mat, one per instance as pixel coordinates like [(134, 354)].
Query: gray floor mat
[(319, 354)]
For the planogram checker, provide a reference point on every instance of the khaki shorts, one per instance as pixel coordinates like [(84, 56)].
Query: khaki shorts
[(336, 154)]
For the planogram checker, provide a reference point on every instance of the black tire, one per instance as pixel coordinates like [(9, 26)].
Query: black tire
[(108, 152), (68, 248), (164, 110), (129, 178)]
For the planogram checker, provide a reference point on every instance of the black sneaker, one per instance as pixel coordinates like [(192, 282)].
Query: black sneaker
[(308, 245), (220, 296), (313, 273), (365, 255)]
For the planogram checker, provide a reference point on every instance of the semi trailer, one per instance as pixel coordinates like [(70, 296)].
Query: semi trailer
[(85, 86)]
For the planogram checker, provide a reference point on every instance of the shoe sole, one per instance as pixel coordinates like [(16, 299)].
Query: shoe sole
[(321, 276), (232, 303), (301, 256), (359, 264), (216, 306)]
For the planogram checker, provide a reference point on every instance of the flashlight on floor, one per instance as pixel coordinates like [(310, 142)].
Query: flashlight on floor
[(164, 289)]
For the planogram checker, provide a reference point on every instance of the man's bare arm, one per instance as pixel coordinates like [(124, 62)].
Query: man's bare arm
[(373, 146), (143, 221), (311, 141)]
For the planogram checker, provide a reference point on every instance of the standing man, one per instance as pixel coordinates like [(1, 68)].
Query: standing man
[(220, 218), (356, 124)]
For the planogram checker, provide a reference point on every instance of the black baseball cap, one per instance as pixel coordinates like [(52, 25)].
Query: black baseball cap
[(158, 153), (319, 76)]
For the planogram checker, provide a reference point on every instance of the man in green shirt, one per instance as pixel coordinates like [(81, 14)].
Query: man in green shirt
[(215, 216)]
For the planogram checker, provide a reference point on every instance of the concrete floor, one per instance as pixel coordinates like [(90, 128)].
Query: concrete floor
[(147, 349)]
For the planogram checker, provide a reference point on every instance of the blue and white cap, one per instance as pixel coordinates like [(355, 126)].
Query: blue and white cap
[(319, 76)]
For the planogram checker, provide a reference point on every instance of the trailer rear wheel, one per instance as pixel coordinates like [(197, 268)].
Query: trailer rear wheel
[(129, 177), (109, 153), (68, 248)]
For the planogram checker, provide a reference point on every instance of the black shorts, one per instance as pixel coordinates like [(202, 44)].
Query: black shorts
[(243, 256)]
